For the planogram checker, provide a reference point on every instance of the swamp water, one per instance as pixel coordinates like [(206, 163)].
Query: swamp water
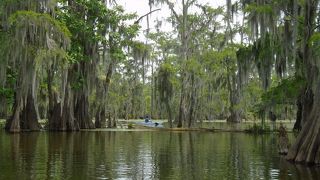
[(145, 155)]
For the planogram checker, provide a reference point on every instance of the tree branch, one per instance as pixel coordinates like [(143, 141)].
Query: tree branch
[(205, 24), (140, 18), (189, 3), (173, 11), (292, 16)]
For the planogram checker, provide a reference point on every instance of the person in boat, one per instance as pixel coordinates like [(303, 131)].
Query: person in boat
[(146, 120)]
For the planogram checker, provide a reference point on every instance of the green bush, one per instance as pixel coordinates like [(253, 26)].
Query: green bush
[(130, 126)]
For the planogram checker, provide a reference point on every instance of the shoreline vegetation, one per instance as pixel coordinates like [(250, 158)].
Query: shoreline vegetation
[(254, 127)]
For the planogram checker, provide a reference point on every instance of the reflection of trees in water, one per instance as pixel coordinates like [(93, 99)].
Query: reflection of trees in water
[(261, 150), (235, 159), (100, 142), (192, 156), (147, 155), (163, 146), (179, 157), (15, 147), (15, 151), (76, 155), (60, 155), (297, 171), (24, 154)]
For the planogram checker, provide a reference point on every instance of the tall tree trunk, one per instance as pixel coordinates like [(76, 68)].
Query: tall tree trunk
[(235, 112), (182, 106), (24, 117), (51, 96), (114, 125), (307, 145), (304, 106), (191, 112), (3, 106), (82, 112), (97, 122), (114, 122), (182, 115), (61, 116), (184, 56), (297, 124), (100, 118), (29, 117), (109, 120), (102, 91), (234, 95), (152, 93), (306, 148), (169, 113), (192, 103), (82, 105), (13, 123)]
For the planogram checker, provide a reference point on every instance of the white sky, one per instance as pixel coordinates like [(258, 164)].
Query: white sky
[(141, 7)]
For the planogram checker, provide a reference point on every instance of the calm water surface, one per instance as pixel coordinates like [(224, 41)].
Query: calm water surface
[(145, 155)]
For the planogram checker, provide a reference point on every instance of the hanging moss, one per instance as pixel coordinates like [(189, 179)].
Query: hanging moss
[(244, 62), (9, 7), (40, 27), (165, 85), (4, 41), (264, 58), (140, 50), (36, 41)]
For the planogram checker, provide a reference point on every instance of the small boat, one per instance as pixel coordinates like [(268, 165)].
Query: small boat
[(150, 124), (158, 126)]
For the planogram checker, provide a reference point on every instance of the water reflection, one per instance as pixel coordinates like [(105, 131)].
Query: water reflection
[(145, 155)]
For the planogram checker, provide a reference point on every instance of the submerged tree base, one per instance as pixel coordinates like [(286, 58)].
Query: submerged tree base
[(25, 119), (307, 146), (62, 120)]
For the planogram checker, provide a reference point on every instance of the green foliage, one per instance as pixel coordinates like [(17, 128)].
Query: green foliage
[(20, 18), (193, 66), (253, 7), (130, 126), (8, 93), (4, 41), (78, 83), (104, 25), (78, 42), (315, 44), (140, 50), (11, 76), (263, 58), (286, 92), (244, 61), (165, 85), (251, 100)]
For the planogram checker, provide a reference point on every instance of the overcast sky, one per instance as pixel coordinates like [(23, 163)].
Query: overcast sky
[(141, 7)]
